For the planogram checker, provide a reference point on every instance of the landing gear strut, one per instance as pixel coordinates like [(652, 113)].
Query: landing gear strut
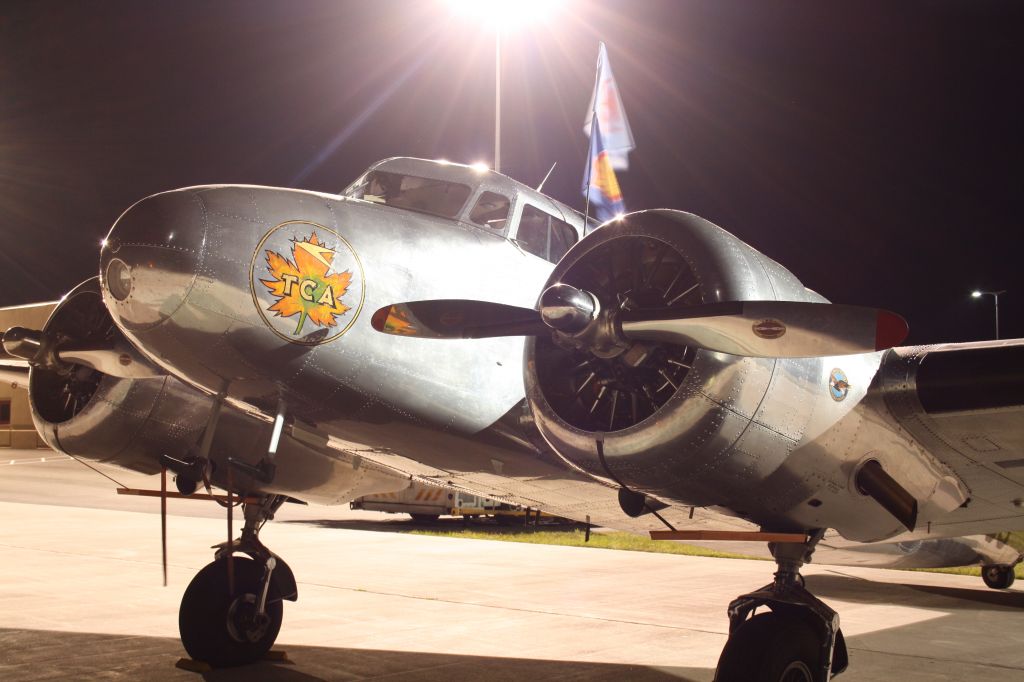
[(231, 612), (797, 640)]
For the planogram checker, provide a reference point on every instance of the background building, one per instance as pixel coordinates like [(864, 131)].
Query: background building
[(16, 428)]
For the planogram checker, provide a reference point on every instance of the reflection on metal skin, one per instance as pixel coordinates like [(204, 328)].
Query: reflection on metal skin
[(151, 258), (759, 436), (127, 422), (705, 444), (199, 304), (213, 303), (567, 308)]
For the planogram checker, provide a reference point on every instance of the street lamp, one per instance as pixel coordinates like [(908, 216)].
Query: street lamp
[(502, 16), (977, 293)]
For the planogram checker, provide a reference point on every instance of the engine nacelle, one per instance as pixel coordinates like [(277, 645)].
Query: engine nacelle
[(89, 414), (685, 425), (132, 422)]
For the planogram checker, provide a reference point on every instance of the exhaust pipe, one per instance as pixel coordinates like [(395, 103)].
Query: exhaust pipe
[(873, 481)]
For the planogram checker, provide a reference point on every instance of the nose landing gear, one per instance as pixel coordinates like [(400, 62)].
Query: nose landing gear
[(232, 610), (798, 640)]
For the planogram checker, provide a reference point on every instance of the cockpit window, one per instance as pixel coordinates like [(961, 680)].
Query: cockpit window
[(426, 195), (544, 235), (491, 211)]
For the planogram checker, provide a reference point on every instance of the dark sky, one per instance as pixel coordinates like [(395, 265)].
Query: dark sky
[(874, 148)]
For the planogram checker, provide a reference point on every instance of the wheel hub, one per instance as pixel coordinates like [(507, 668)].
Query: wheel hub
[(245, 622)]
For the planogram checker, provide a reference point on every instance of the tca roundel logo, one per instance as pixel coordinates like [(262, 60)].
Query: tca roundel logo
[(307, 282)]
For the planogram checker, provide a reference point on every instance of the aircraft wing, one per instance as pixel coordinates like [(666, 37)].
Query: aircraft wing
[(530, 479), (32, 315), (14, 372), (961, 402)]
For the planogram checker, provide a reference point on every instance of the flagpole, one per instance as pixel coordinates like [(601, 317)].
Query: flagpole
[(593, 122), (590, 171)]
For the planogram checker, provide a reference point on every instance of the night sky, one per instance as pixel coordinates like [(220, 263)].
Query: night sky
[(876, 149)]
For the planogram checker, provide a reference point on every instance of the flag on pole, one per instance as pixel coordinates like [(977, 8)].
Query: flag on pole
[(607, 103), (600, 185)]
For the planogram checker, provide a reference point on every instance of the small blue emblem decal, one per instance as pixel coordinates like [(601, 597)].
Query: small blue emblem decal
[(838, 385)]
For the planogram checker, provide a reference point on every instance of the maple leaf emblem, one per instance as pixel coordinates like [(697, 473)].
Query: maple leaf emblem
[(307, 287)]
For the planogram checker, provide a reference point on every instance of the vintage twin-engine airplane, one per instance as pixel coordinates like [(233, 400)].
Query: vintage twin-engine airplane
[(672, 375)]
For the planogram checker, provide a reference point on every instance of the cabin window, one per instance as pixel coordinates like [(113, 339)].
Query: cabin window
[(425, 195), (544, 235), (491, 210)]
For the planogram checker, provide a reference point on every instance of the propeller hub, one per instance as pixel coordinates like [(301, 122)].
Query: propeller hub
[(579, 321), (567, 309)]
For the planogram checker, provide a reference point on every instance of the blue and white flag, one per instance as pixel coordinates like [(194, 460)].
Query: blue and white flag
[(600, 185), (607, 104)]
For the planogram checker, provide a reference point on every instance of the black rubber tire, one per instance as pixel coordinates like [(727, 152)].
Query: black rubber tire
[(998, 577), (425, 518), (203, 616), (770, 648)]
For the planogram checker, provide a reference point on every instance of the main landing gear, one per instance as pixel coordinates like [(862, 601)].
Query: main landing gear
[(998, 576), (231, 611), (797, 640)]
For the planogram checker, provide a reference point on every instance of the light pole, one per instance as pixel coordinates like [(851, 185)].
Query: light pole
[(497, 100), (977, 293), (503, 16)]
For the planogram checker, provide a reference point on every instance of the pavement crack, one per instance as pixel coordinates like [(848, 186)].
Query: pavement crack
[(517, 609)]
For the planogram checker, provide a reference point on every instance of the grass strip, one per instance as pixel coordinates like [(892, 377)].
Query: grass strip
[(632, 543), (576, 538)]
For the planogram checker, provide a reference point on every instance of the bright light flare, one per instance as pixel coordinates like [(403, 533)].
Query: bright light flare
[(480, 167), (505, 15), (975, 294)]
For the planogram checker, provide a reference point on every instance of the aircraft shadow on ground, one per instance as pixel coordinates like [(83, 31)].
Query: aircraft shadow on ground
[(46, 654), (863, 591)]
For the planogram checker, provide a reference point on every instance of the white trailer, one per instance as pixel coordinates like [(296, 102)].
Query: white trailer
[(426, 502)]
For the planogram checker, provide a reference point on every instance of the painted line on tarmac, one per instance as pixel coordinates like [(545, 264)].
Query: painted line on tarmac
[(38, 460)]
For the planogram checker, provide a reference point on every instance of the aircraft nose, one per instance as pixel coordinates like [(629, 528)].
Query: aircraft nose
[(151, 257)]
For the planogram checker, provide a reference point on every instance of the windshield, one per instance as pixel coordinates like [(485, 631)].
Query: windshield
[(436, 197)]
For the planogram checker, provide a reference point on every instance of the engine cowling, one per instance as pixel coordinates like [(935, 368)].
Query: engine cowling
[(132, 422), (86, 413), (685, 425)]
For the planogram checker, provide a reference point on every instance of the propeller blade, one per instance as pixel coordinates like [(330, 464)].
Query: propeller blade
[(457, 319), (770, 329), (119, 358), (22, 343)]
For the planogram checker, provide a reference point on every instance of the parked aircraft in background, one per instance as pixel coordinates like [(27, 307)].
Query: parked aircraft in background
[(674, 376)]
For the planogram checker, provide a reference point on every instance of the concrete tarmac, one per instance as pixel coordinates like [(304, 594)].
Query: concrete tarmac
[(81, 598)]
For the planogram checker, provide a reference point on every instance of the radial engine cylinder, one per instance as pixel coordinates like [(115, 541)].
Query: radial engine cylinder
[(683, 424)]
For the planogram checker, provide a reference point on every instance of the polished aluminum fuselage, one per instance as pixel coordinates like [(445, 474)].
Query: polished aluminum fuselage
[(759, 439), (198, 319)]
